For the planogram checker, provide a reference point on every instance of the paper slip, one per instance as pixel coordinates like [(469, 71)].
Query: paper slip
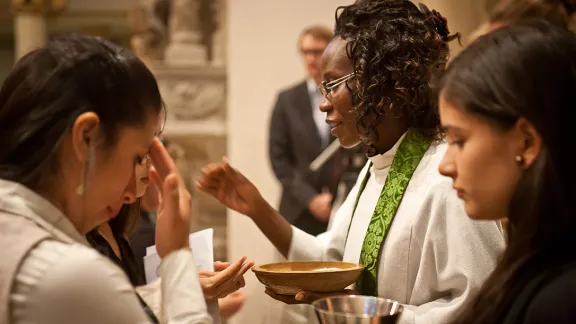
[(202, 244)]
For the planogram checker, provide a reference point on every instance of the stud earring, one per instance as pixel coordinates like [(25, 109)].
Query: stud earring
[(519, 159)]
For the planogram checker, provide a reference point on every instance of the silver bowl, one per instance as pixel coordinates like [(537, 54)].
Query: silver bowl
[(351, 309)]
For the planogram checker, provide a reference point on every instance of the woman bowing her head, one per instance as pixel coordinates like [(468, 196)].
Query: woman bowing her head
[(76, 118), (402, 220)]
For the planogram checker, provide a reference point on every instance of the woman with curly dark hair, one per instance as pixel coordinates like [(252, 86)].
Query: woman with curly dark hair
[(402, 220)]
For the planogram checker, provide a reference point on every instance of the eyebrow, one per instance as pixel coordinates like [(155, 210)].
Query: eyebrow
[(448, 128)]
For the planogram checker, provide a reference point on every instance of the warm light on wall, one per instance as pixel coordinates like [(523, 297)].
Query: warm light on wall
[(39, 6)]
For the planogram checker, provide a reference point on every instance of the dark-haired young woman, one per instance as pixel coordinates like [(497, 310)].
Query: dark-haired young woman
[(402, 220), (507, 105), (76, 118)]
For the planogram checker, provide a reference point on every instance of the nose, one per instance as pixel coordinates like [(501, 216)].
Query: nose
[(130, 192), (325, 104), (447, 166)]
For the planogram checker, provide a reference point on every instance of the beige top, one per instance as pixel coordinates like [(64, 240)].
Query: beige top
[(63, 280)]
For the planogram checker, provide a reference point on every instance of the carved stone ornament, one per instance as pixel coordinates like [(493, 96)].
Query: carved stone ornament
[(185, 46), (193, 100)]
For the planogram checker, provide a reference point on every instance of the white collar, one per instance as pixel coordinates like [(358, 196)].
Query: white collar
[(312, 86), (382, 161)]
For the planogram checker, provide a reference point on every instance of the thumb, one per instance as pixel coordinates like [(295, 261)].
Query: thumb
[(233, 173)]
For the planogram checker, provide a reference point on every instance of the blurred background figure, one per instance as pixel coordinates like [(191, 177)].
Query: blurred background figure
[(298, 134), (501, 12)]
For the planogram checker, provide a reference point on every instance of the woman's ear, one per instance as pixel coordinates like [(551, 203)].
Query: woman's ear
[(530, 142), (84, 134)]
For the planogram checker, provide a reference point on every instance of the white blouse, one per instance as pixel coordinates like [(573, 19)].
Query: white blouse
[(434, 258), (64, 281)]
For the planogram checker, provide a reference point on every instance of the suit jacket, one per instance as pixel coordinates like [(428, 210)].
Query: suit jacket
[(294, 143)]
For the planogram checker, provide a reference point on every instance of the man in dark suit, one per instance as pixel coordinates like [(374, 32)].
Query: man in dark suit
[(298, 134)]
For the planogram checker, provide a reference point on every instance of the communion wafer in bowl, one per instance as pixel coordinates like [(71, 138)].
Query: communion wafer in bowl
[(289, 278)]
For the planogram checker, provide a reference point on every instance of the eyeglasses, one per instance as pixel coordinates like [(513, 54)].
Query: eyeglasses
[(326, 87)]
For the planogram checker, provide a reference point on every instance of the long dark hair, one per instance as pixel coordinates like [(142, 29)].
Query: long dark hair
[(397, 50), (525, 70), (50, 87)]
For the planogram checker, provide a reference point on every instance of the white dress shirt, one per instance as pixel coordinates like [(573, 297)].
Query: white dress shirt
[(319, 116)]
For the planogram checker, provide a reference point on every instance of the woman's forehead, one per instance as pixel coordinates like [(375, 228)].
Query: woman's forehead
[(335, 57)]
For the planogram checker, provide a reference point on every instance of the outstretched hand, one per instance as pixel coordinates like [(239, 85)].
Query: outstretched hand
[(231, 188), (305, 297), (226, 278)]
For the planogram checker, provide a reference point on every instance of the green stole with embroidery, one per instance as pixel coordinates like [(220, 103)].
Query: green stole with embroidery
[(410, 152)]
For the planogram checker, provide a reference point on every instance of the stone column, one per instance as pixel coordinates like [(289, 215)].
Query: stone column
[(185, 46), (220, 38), (30, 16), (29, 26)]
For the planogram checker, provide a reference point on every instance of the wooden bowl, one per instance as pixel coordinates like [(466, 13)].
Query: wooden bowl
[(289, 278)]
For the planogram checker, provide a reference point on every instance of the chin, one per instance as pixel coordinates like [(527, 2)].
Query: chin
[(348, 143), (474, 213)]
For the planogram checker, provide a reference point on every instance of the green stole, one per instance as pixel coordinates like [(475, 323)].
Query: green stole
[(410, 152)]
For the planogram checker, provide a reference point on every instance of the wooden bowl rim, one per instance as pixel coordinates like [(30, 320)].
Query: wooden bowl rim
[(356, 267)]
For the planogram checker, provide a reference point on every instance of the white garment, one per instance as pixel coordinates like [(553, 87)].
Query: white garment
[(434, 259), (64, 281), (318, 115)]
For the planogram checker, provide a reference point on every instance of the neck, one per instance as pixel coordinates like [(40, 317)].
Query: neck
[(106, 232), (388, 135)]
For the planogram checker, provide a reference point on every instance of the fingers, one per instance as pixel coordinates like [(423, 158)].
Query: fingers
[(230, 279), (234, 174), (161, 159), (233, 274), (171, 196), (221, 266), (230, 272), (309, 296), (286, 299), (211, 178), (157, 183)]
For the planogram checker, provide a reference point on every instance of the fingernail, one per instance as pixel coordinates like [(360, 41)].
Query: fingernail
[(299, 296)]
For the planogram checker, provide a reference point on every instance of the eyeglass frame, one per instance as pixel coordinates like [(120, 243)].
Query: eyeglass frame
[(326, 87)]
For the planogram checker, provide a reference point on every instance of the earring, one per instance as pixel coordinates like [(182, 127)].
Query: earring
[(81, 189), (81, 186), (519, 159)]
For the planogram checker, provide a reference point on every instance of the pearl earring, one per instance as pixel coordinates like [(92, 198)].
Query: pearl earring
[(519, 159)]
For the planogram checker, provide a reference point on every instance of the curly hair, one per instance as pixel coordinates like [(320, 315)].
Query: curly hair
[(398, 51)]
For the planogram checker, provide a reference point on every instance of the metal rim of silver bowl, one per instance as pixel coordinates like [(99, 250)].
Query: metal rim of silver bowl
[(396, 304)]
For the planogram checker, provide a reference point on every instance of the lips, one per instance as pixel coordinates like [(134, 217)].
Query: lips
[(333, 123), (460, 193)]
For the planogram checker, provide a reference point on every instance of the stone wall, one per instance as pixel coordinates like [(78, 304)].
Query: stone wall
[(185, 50)]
